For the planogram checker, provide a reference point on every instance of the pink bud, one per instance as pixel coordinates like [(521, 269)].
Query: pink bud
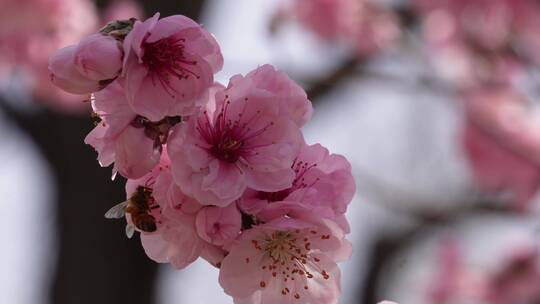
[(65, 76), (98, 57), (219, 226)]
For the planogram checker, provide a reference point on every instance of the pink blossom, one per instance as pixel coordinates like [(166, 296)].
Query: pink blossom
[(285, 261), (242, 139), (175, 240), (130, 141), (365, 26), (292, 99), (323, 182), (169, 66), (502, 141), (219, 225)]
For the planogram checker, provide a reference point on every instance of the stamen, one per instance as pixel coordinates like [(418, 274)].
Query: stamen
[(164, 59)]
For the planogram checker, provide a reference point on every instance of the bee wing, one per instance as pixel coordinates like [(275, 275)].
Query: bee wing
[(130, 230), (117, 211)]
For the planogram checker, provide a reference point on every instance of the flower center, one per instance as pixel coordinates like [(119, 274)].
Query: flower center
[(228, 137), (165, 59), (289, 259), (227, 149)]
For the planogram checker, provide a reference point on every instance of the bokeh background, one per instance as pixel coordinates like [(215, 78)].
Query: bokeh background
[(435, 104)]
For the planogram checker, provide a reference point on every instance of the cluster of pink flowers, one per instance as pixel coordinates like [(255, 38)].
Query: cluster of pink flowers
[(217, 172)]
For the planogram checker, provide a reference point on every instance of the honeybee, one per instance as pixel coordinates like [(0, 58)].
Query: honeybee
[(139, 206)]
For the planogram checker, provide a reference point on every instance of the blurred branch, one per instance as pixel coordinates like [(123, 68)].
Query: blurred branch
[(322, 86)]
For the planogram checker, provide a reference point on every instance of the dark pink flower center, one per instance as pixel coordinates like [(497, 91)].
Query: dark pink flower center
[(165, 59), (229, 138)]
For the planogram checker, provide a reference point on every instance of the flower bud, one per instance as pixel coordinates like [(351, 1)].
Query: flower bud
[(65, 76), (98, 57), (219, 226)]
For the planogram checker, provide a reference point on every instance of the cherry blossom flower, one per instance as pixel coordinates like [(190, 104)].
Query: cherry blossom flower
[(175, 239), (132, 142), (323, 182), (240, 140), (169, 65), (285, 261), (292, 99)]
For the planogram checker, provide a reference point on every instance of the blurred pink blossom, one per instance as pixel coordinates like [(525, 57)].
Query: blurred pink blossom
[(515, 280), (122, 10), (502, 142), (365, 26), (31, 30), (490, 39)]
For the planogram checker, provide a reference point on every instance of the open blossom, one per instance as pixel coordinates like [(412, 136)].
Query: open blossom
[(285, 261), (242, 139), (175, 239), (169, 65), (323, 182), (131, 142), (87, 67)]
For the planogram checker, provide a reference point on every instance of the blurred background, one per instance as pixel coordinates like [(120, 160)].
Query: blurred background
[(434, 102)]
